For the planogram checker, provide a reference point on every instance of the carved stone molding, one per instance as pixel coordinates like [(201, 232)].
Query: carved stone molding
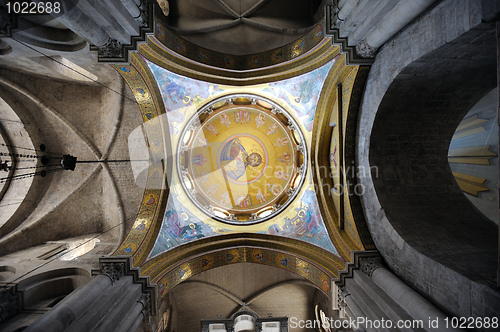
[(146, 303), (370, 264), (332, 30), (355, 263), (120, 266), (341, 295), (335, 21), (113, 270), (364, 50), (9, 303), (143, 19), (112, 49)]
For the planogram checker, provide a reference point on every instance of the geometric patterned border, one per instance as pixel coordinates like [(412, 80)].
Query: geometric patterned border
[(145, 227), (239, 62), (169, 279)]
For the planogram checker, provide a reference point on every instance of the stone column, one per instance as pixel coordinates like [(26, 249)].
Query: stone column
[(70, 308), (80, 23), (116, 299), (412, 302), (369, 294), (9, 303), (402, 14)]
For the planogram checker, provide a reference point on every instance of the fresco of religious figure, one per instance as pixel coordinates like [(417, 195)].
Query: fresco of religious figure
[(225, 199), (212, 129), (281, 175), (272, 129), (281, 141), (202, 141), (244, 201), (151, 200), (274, 189), (260, 196), (260, 120), (234, 159), (199, 159), (284, 158), (212, 189), (242, 116), (224, 119)]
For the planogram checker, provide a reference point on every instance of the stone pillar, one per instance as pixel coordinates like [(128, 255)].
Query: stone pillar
[(132, 8), (369, 294), (80, 23), (412, 302), (116, 292), (9, 303), (70, 308), (402, 14), (342, 10), (134, 319)]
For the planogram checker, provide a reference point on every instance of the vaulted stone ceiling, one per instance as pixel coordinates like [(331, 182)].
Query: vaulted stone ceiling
[(242, 27), (84, 119)]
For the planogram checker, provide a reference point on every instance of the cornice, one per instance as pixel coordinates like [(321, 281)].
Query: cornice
[(119, 266)]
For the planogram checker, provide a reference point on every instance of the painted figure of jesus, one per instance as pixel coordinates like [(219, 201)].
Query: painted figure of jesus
[(234, 159)]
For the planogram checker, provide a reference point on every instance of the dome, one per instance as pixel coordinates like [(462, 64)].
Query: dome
[(242, 159)]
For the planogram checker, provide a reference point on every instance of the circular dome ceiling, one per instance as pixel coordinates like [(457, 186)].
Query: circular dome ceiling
[(241, 159)]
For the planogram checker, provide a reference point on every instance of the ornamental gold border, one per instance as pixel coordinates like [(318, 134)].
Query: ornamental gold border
[(320, 150), (276, 112), (168, 266), (162, 56), (148, 220), (238, 62)]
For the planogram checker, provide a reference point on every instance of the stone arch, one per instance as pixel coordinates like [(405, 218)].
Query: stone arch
[(224, 291), (51, 286), (18, 149), (313, 263), (420, 221)]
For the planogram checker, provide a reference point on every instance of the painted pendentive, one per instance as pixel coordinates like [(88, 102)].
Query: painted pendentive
[(304, 91), (183, 221)]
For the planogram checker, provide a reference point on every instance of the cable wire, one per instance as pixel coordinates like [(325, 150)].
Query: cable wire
[(59, 62)]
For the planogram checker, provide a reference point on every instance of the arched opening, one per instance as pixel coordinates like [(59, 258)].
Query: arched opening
[(217, 294), (420, 88), (411, 134), (17, 153)]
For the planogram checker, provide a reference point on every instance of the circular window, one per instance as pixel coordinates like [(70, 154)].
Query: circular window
[(241, 159)]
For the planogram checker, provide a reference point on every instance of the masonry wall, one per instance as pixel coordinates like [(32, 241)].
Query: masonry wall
[(423, 81)]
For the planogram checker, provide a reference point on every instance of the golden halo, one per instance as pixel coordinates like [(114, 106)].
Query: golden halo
[(184, 216), (262, 162)]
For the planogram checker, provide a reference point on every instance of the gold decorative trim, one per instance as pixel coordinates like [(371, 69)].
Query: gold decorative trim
[(313, 263), (336, 92), (209, 57), (148, 220), (470, 184), (157, 53)]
